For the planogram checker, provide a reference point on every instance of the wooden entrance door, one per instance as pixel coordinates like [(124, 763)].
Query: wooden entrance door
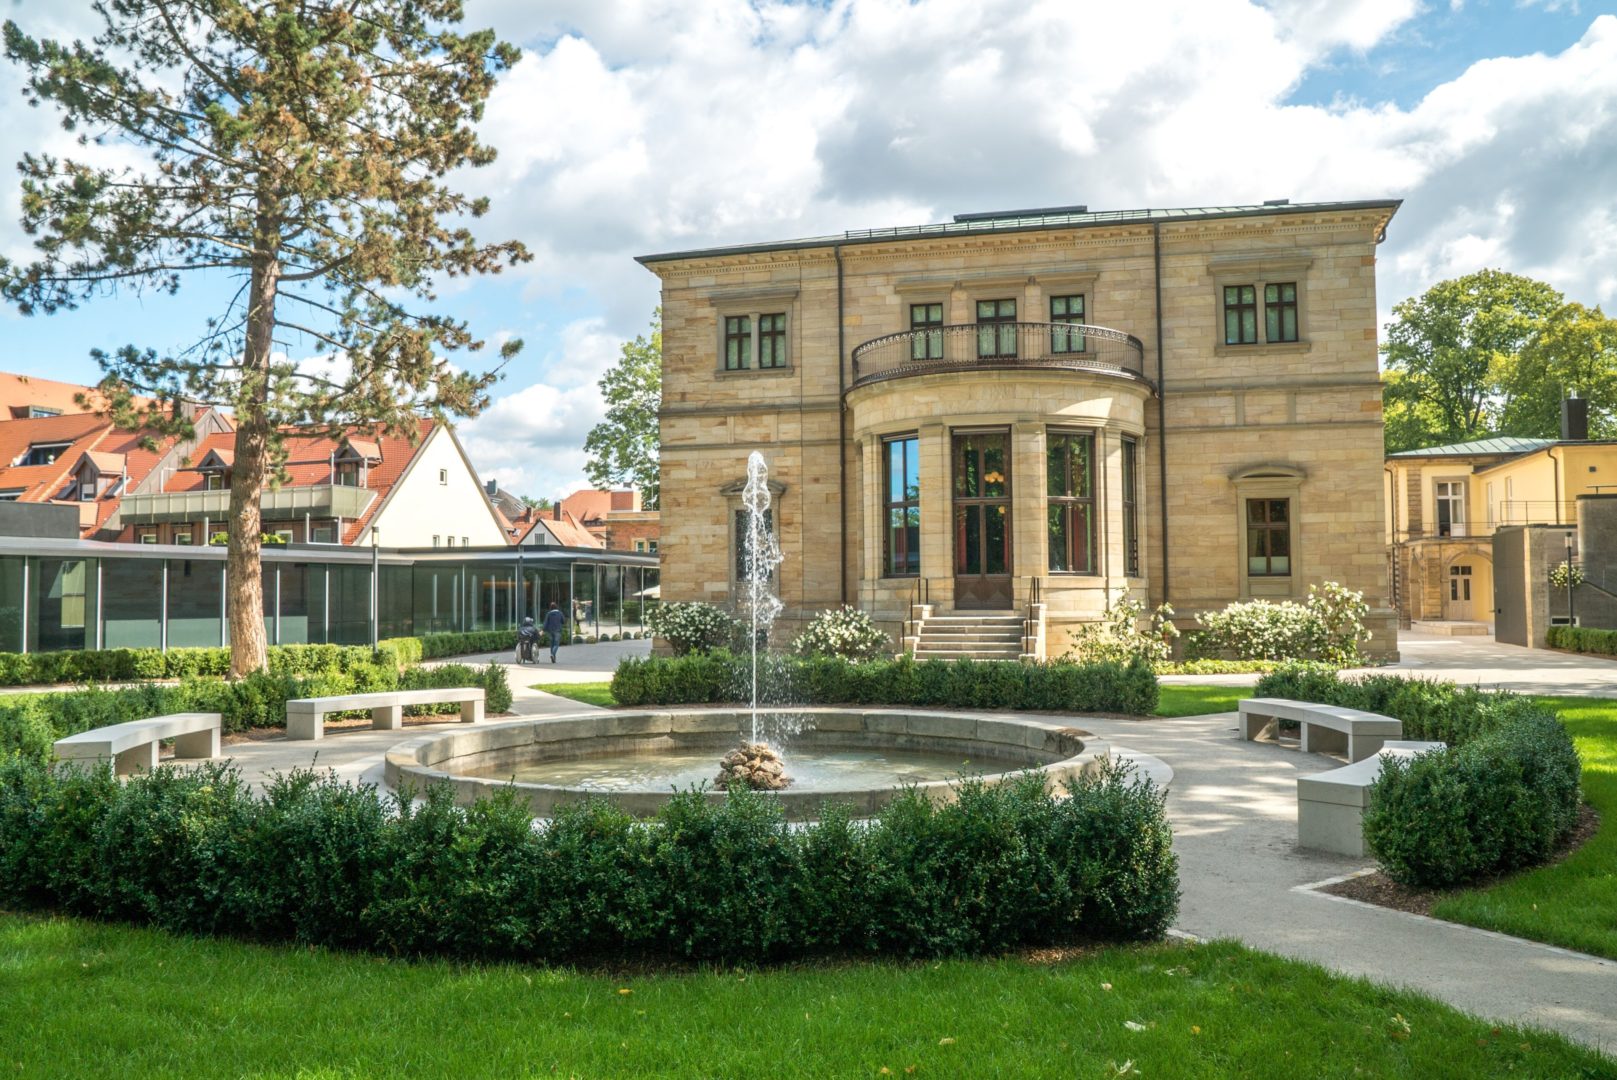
[(982, 519), (1457, 602)]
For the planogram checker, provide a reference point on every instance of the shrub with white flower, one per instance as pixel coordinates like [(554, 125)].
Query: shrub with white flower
[(1566, 575), (691, 626), (846, 632), (1329, 627), (1120, 637)]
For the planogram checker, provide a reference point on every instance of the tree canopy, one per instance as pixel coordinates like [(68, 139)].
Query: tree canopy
[(623, 446), (296, 149)]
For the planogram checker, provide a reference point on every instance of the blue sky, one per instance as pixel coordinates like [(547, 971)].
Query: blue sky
[(634, 126)]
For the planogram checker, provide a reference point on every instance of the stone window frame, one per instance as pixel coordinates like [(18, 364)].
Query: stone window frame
[(887, 505), (1259, 272), (1099, 519), (731, 493), (1271, 481), (1436, 477), (753, 305)]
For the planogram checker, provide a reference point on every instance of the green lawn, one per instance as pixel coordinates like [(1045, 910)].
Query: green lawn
[(590, 693), (1572, 903), (1175, 700), (98, 1000)]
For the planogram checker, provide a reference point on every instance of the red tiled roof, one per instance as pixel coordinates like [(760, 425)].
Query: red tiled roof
[(587, 504), (309, 463), (19, 392), (114, 452), (567, 530), (107, 463)]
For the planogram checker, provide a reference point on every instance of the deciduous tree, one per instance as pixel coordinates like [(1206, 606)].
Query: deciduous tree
[(1573, 354), (299, 150), (623, 447)]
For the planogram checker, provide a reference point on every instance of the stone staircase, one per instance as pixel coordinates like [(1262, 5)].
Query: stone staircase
[(980, 636)]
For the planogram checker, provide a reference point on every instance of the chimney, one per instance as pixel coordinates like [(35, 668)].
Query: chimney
[(491, 486), (556, 510), (1574, 419)]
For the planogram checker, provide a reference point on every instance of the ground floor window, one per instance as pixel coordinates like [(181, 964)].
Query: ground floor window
[(1268, 537), (1070, 487), (902, 504), (1131, 508)]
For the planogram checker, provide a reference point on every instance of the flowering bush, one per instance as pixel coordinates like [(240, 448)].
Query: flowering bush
[(1566, 575), (1328, 627), (1118, 636), (846, 632), (691, 626)]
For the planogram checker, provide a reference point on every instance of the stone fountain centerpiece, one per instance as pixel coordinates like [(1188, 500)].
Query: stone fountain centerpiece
[(752, 765)]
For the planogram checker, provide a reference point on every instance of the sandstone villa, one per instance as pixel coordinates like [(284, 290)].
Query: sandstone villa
[(1022, 417)]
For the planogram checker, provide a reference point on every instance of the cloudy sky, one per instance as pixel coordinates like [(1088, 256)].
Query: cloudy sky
[(636, 126)]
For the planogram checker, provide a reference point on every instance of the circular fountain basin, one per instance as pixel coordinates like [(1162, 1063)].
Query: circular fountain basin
[(856, 757)]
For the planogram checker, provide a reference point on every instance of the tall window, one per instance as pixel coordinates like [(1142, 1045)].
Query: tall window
[(929, 345), (347, 474), (737, 343), (1280, 311), (1067, 310), (1240, 314), (772, 340), (1131, 508), (996, 329), (743, 517), (1268, 537), (1451, 508), (1070, 487), (902, 557)]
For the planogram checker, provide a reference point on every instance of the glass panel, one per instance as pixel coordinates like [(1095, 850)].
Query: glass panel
[(131, 617), (1232, 326), (1081, 556), (1057, 516), (912, 470), (1055, 466), (1249, 325), (194, 603), (349, 620), (895, 471), (1288, 324), (294, 604), (57, 605), (11, 604), (912, 541), (966, 470), (985, 341), (584, 598), (1272, 323), (611, 599), (396, 602), (1278, 509), (995, 545), (994, 467), (968, 539), (985, 309)]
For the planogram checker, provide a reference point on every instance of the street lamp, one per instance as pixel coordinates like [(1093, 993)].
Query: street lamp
[(1571, 609), (376, 587)]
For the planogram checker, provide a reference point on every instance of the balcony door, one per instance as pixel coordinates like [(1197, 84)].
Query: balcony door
[(982, 519)]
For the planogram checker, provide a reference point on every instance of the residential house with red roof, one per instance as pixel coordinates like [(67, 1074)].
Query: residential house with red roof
[(555, 527), (615, 518)]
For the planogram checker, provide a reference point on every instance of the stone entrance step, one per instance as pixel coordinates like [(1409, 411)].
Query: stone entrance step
[(974, 635), (1451, 627)]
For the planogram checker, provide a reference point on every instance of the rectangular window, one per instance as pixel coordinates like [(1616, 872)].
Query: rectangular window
[(902, 506), (1131, 508), (741, 520), (1280, 311), (1070, 490), (443, 477), (146, 536), (182, 537), (11, 494), (87, 489), (285, 535), (996, 329), (651, 545), (737, 343), (437, 541), (44, 453), (1240, 314), (347, 474), (771, 341), (640, 545), (1268, 537), (213, 481), (465, 542), (927, 345), (324, 534), (1451, 508), (36, 411), (1068, 310)]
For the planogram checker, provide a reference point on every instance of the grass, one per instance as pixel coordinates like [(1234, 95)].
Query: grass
[(1174, 700), (1572, 903), (121, 1002), (590, 693)]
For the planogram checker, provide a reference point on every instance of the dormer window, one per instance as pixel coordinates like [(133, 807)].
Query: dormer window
[(43, 453), (87, 487), (216, 480), (347, 474)]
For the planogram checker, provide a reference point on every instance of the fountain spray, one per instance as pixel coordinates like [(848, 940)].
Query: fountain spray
[(760, 556)]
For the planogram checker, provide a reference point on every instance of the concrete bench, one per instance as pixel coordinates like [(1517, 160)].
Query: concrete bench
[(306, 717), (1327, 729), (134, 745), (1330, 805)]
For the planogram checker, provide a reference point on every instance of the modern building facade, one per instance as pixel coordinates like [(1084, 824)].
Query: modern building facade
[(1036, 413)]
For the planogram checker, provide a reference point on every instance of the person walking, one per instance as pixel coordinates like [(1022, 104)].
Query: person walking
[(555, 623)]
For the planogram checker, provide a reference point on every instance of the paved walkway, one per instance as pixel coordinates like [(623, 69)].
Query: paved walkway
[(1234, 810)]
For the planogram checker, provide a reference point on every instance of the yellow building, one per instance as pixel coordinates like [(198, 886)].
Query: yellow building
[(1009, 421), (1443, 504)]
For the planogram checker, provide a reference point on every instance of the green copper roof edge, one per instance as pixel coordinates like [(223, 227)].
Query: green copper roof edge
[(1091, 220)]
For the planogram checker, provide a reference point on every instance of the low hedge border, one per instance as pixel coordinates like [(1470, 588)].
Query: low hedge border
[(133, 665), (1502, 797), (720, 677), (326, 863), (1582, 639), (30, 723)]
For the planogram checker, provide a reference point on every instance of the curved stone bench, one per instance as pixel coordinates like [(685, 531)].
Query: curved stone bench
[(1326, 729), (134, 744), (306, 717), (1330, 805)]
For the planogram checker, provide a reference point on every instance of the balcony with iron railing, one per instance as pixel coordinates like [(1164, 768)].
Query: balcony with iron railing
[(1077, 347)]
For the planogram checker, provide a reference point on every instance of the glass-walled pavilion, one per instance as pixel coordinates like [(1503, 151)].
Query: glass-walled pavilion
[(75, 594)]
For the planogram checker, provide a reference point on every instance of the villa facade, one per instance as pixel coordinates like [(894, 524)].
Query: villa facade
[(1034, 414)]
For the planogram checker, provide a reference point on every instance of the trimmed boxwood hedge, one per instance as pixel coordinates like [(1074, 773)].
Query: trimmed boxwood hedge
[(1582, 639), (721, 677), (1502, 797), (30, 723), (327, 863), (132, 665)]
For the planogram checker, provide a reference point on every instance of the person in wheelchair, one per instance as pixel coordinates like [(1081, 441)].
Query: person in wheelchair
[(527, 640)]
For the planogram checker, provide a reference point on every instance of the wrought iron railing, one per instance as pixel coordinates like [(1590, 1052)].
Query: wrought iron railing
[(976, 346), (1030, 623)]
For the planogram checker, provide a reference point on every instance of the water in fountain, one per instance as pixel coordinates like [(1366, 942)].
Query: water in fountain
[(760, 556)]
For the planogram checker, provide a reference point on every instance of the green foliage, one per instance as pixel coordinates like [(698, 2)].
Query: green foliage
[(1582, 639), (1447, 349), (1566, 574), (721, 677), (622, 448), (1501, 797), (1119, 637), (846, 632), (692, 626), (434, 646), (321, 862), (1329, 627), (1573, 352), (129, 665)]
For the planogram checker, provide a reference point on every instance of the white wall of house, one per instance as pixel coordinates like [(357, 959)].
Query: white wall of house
[(440, 496)]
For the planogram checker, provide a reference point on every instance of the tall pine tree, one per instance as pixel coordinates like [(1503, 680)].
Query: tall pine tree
[(299, 150)]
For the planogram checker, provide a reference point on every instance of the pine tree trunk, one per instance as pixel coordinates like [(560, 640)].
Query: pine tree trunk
[(244, 573)]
